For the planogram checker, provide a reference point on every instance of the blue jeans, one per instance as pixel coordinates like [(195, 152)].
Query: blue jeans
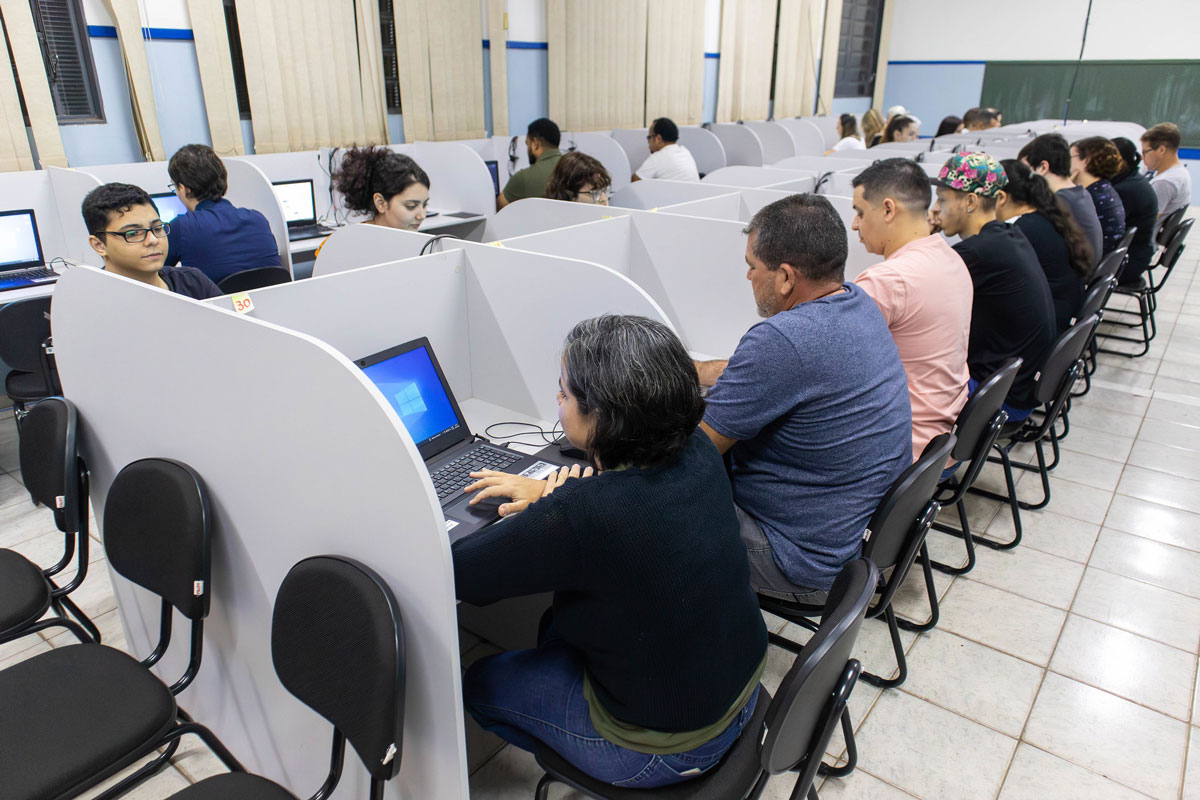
[(1014, 414), (526, 696)]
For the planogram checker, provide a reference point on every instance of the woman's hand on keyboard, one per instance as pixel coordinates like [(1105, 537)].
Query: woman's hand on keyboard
[(557, 479)]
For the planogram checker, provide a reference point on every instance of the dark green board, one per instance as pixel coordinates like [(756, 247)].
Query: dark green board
[(1145, 92)]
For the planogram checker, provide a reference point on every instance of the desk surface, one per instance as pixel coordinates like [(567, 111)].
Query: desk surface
[(480, 415), (25, 292)]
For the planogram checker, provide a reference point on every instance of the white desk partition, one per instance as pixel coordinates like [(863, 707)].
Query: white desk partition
[(704, 146), (361, 245), (607, 151), (857, 257), (754, 176), (315, 165), (63, 230), (795, 186), (317, 463), (633, 142), (693, 268), (653, 194), (899, 149), (823, 164), (809, 139), (742, 145), (739, 205), (536, 214), (828, 127), (777, 141)]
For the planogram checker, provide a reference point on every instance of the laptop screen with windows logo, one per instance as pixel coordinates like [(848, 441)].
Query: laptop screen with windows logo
[(411, 385)]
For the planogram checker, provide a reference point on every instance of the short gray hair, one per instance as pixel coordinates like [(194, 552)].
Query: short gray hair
[(805, 231)]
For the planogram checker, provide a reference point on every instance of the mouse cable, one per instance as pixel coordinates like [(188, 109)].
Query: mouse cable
[(530, 429), (428, 246)]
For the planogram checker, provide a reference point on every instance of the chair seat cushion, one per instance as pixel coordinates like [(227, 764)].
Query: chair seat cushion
[(75, 713), (1133, 287), (234, 786), (25, 386), (24, 592), (732, 777)]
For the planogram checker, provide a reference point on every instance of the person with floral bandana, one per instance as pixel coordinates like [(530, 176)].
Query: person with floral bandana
[(1013, 312)]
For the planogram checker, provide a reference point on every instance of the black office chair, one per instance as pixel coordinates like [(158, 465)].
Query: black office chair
[(977, 428), (24, 332), (337, 641), (79, 714), (1052, 390), (1109, 266), (1146, 292), (1093, 304), (1167, 225), (249, 279), (787, 733), (894, 538), (56, 478)]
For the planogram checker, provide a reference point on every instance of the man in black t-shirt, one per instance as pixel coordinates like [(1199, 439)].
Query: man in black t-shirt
[(1013, 312)]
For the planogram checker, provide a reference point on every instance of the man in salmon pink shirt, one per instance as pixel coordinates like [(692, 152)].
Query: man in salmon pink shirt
[(922, 287)]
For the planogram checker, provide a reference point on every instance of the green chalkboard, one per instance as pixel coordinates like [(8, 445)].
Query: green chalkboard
[(1145, 92)]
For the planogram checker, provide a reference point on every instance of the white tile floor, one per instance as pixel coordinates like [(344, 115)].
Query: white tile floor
[(1063, 669)]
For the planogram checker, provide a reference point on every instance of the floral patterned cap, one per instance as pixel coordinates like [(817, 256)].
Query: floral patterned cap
[(976, 173)]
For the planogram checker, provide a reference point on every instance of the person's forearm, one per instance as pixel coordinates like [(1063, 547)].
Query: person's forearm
[(709, 372)]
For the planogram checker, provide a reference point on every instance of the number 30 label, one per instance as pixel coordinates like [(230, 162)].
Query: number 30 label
[(242, 303)]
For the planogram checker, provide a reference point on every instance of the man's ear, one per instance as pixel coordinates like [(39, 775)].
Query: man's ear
[(786, 279), (98, 245), (889, 209)]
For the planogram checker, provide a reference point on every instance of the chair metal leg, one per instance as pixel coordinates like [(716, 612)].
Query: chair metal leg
[(930, 591), (1043, 473), (50, 622), (851, 751), (543, 788), (132, 780), (784, 643), (1013, 504), (901, 661), (66, 604), (963, 532)]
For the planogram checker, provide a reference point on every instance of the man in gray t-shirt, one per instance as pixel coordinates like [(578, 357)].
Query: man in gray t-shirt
[(1170, 179), (1049, 156)]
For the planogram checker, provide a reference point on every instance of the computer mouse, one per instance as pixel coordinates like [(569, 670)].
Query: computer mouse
[(568, 450)]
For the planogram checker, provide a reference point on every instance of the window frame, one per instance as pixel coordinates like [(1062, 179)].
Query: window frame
[(83, 47), (845, 86)]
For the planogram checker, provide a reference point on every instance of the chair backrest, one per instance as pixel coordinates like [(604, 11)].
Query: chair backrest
[(1167, 226), (893, 535), (1127, 239), (337, 641), (1175, 247), (24, 325), (1110, 265), (810, 699), (1064, 355), (50, 465), (257, 278), (157, 532), (974, 421), (1093, 299)]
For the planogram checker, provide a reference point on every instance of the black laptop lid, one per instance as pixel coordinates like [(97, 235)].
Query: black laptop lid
[(20, 244), (411, 380), (299, 201)]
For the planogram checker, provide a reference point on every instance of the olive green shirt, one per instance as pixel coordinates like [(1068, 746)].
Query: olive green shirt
[(531, 181)]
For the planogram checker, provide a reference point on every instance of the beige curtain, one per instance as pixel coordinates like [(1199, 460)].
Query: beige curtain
[(747, 50), (308, 74), (31, 72), (597, 63), (14, 143), (441, 68), (800, 29), (497, 26), (128, 20), (829, 56), (675, 61), (216, 76)]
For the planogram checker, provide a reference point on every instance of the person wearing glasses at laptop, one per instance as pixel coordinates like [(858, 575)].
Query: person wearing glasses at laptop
[(647, 667), (214, 236), (579, 178), (127, 233)]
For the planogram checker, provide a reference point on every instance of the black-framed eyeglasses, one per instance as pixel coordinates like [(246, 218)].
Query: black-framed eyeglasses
[(172, 186), (135, 235)]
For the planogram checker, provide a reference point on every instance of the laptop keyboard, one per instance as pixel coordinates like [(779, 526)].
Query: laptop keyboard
[(307, 231), (454, 475)]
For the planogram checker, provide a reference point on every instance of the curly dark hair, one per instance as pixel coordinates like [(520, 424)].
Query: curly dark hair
[(366, 171), (1030, 189), (1102, 157), (637, 378), (572, 171), (112, 198)]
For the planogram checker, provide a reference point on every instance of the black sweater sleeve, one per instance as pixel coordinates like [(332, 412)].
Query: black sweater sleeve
[(530, 552)]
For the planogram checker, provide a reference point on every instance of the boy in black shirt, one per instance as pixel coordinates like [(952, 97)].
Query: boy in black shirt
[(127, 233), (1013, 312)]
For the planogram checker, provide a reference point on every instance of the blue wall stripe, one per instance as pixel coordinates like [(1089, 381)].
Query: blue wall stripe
[(512, 45), (712, 55), (1189, 152), (890, 63), (109, 32)]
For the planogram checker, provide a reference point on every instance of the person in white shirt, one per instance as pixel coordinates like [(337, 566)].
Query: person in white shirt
[(668, 160), (1169, 178), (848, 138)]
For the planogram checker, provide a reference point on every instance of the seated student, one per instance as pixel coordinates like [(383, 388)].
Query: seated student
[(1141, 212), (541, 143), (127, 233), (812, 407), (383, 185), (579, 178), (981, 119), (648, 669), (1013, 312), (949, 125), (214, 235), (848, 138), (1094, 162), (901, 129), (922, 287), (668, 160), (872, 126), (1061, 248), (1049, 156), (1169, 177)]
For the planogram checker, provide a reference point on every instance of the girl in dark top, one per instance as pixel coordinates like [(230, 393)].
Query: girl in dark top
[(1094, 162), (1061, 246), (648, 668), (1141, 211), (900, 129)]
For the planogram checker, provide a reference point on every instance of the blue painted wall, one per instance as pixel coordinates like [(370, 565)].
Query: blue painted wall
[(175, 73), (712, 69), (528, 87), (933, 90), (850, 105), (114, 141)]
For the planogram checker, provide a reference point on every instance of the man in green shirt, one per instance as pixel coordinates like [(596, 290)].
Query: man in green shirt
[(541, 142)]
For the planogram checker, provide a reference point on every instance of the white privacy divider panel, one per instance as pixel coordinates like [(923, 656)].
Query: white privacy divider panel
[(754, 176), (361, 245), (857, 257), (704, 146), (607, 151), (795, 186), (742, 145), (741, 205), (653, 194), (633, 142), (809, 139), (314, 165), (823, 164), (536, 214), (827, 125), (63, 233), (316, 462), (777, 141)]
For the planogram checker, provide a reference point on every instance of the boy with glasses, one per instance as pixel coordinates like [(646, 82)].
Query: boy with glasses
[(127, 233), (1169, 177)]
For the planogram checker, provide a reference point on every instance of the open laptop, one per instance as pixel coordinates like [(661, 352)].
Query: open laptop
[(412, 381), (169, 206), (299, 202), (494, 170), (21, 261)]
